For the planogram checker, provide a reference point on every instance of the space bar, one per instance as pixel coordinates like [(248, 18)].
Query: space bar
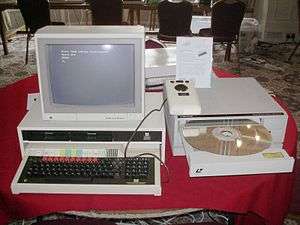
[(65, 180)]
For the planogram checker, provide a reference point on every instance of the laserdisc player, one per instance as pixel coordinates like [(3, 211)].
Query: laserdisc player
[(240, 129)]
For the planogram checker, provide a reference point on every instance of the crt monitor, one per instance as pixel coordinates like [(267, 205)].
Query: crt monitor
[(91, 73)]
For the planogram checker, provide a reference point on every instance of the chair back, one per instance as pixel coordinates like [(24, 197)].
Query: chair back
[(226, 19), (175, 18), (153, 43), (106, 12), (36, 13), (298, 16)]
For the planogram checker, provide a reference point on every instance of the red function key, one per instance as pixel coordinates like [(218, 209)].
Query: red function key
[(60, 159), (63, 159), (50, 159), (94, 160), (90, 159), (45, 158), (77, 159), (85, 159), (72, 159), (56, 159), (81, 159), (68, 159)]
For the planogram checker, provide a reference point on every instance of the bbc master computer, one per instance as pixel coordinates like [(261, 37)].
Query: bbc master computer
[(91, 101)]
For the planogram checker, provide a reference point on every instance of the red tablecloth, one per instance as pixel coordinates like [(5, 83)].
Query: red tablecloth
[(265, 195)]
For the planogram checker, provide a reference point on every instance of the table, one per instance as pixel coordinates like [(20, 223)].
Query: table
[(267, 196), (132, 6)]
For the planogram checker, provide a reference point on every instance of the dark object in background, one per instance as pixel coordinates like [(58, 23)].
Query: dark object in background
[(174, 19), (106, 12), (298, 44), (204, 2), (36, 14), (226, 20)]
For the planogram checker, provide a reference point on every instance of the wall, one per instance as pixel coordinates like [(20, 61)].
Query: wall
[(277, 19)]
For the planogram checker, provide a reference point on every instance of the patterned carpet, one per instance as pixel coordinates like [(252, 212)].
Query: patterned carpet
[(268, 65)]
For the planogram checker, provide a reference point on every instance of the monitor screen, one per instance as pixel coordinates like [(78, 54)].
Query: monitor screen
[(93, 73)]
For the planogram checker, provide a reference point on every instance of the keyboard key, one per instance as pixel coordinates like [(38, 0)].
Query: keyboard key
[(87, 170)]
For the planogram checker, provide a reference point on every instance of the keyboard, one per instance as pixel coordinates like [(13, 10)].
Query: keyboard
[(88, 170)]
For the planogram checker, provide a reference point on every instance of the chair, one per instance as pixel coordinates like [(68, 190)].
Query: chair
[(36, 14), (298, 44), (152, 18), (106, 12), (153, 43), (226, 19), (174, 19), (132, 11)]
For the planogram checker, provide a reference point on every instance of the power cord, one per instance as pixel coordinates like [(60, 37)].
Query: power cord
[(140, 124), (151, 154), (218, 216), (211, 217)]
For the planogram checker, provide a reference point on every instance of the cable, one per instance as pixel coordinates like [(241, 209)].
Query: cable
[(140, 124), (142, 154), (125, 223), (169, 220), (202, 218), (192, 216), (217, 217), (222, 216), (157, 221), (143, 222), (211, 217)]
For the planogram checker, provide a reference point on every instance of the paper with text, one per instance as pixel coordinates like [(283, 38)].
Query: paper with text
[(194, 60)]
